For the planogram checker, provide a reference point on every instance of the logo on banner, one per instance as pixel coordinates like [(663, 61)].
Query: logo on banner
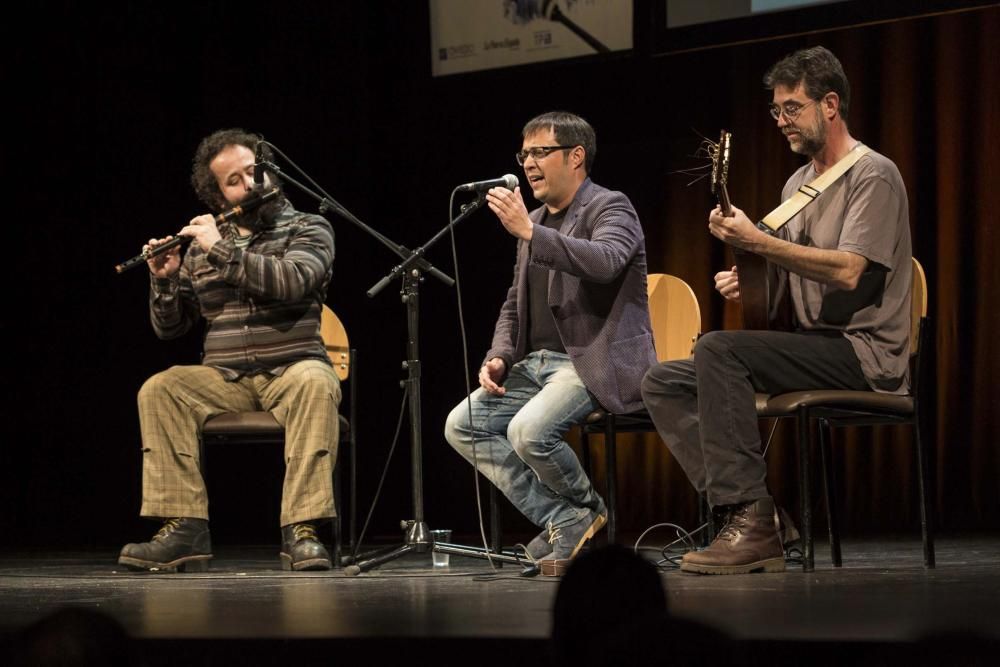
[(511, 44), (458, 51)]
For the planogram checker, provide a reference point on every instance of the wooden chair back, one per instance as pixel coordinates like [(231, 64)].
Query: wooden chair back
[(338, 347), (674, 315)]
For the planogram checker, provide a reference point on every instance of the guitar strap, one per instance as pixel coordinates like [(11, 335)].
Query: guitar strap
[(808, 193)]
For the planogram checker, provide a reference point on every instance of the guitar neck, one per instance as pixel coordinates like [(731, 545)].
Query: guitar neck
[(724, 204)]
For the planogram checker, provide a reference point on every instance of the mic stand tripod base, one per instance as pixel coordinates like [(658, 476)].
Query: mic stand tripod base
[(528, 567), (417, 540)]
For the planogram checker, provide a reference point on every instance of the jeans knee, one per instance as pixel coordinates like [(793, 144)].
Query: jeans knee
[(525, 436), (456, 426)]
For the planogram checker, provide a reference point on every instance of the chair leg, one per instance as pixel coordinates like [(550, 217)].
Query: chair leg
[(585, 459), (923, 479), (335, 522), (611, 470), (805, 492), (830, 490), (353, 447)]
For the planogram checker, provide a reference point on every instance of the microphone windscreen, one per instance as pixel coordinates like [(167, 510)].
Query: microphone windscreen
[(510, 181)]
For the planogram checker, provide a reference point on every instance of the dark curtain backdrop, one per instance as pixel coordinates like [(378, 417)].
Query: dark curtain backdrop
[(108, 103)]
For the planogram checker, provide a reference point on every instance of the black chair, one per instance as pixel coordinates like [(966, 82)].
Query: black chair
[(860, 408), (260, 426)]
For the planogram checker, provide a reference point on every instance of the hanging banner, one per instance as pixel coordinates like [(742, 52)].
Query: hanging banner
[(471, 35)]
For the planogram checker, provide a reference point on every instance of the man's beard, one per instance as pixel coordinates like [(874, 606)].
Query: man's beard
[(811, 139), (263, 216)]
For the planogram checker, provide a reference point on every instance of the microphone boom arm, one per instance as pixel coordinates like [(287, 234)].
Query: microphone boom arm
[(327, 203)]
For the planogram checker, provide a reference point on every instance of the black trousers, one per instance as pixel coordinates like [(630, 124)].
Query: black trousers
[(704, 407)]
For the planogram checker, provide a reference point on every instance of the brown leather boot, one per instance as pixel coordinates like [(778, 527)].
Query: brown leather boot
[(748, 543), (183, 544), (301, 548)]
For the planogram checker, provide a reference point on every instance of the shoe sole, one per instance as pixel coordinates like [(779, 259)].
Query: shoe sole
[(186, 564), (557, 567), (310, 564), (768, 565)]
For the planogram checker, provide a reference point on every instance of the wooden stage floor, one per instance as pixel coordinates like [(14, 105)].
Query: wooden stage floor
[(245, 605)]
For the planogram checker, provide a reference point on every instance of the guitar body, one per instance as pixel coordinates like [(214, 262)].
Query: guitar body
[(755, 289), (757, 295)]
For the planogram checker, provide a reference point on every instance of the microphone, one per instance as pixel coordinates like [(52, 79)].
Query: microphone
[(258, 168), (508, 181)]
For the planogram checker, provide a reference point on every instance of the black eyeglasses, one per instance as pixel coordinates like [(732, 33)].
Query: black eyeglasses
[(791, 109), (538, 152)]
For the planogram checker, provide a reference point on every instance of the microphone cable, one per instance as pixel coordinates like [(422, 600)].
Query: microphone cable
[(468, 385)]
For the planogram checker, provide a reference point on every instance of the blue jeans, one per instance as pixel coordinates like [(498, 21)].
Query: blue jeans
[(519, 442)]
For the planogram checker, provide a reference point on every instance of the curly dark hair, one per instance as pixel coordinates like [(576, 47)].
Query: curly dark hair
[(570, 130), (202, 178), (818, 70)]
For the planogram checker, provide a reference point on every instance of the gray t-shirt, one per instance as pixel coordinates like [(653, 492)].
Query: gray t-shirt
[(865, 212)]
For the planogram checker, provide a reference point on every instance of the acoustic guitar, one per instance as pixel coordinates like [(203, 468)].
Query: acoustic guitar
[(756, 288)]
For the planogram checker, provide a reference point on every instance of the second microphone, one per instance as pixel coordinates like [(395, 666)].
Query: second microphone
[(508, 181)]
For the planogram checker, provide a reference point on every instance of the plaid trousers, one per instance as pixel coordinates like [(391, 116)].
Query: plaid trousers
[(175, 404)]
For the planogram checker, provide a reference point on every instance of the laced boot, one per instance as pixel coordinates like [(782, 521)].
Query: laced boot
[(301, 549), (182, 544), (747, 543), (567, 541), (720, 517), (539, 546)]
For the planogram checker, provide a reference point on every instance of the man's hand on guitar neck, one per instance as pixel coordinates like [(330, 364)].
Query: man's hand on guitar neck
[(728, 284), (736, 230)]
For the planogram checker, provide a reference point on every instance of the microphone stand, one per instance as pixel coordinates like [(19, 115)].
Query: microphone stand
[(552, 12), (417, 535), (328, 204)]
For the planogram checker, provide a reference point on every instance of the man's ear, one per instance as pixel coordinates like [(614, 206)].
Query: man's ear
[(831, 104)]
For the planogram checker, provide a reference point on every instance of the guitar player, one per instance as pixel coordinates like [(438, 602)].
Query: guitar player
[(843, 262)]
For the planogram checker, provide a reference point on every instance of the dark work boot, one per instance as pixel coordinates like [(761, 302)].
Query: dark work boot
[(301, 549), (181, 545), (720, 517), (748, 542)]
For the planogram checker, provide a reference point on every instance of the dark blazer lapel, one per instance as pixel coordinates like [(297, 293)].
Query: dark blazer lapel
[(580, 201)]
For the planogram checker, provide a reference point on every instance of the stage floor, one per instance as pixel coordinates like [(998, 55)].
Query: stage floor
[(882, 595)]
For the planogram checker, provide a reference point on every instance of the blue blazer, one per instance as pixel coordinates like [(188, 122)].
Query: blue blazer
[(597, 294)]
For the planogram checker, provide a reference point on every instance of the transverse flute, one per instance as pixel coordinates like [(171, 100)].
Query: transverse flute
[(250, 204)]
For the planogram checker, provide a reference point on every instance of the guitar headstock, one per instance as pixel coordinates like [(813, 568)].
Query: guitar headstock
[(720, 161), (720, 169)]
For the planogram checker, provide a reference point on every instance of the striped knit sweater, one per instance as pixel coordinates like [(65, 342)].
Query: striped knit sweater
[(262, 304)]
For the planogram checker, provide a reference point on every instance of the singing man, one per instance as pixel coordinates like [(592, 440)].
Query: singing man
[(573, 335)]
